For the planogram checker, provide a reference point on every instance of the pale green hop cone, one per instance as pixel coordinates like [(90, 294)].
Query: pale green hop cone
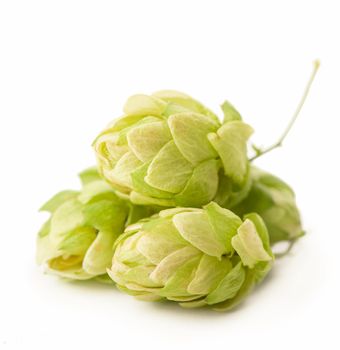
[(197, 257), (274, 200), (169, 150), (77, 240)]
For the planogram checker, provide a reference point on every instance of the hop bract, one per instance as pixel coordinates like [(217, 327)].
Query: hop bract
[(170, 150), (274, 200), (197, 257), (77, 240)]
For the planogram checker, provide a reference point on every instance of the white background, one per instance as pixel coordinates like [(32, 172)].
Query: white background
[(66, 68)]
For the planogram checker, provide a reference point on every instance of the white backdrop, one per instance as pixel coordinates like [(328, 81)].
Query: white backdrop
[(66, 68)]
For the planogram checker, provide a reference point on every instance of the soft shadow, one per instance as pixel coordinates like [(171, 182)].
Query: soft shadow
[(174, 308), (90, 285), (163, 307)]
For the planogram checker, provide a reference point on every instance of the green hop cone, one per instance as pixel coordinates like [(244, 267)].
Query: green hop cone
[(169, 150), (274, 200), (197, 257), (77, 240)]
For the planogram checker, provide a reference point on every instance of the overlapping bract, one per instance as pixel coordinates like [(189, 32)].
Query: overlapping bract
[(77, 240), (274, 201), (197, 257), (170, 150)]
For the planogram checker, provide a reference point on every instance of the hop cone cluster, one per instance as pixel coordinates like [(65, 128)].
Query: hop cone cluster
[(174, 209)]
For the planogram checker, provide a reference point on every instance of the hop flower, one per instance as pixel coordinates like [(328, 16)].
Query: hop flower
[(274, 200), (77, 240), (170, 150), (196, 257)]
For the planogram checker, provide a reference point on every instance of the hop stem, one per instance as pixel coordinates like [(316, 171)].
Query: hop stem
[(287, 250), (260, 152)]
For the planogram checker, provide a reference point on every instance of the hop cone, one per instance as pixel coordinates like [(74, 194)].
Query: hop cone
[(170, 150), (77, 240), (274, 200), (196, 257)]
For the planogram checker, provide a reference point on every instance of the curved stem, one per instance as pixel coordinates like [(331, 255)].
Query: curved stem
[(295, 115), (287, 250)]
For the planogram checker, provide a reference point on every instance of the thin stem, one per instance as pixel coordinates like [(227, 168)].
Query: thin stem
[(287, 250), (295, 115)]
